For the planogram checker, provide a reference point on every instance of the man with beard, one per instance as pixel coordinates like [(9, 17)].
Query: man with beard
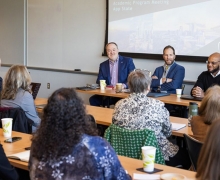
[(169, 77), (207, 78)]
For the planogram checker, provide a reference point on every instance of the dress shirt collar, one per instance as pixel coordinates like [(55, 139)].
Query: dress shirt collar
[(216, 74), (113, 62), (168, 66)]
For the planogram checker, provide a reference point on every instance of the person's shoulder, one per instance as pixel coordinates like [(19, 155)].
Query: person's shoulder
[(204, 73), (104, 62), (22, 94), (94, 141), (124, 58), (156, 102), (179, 66), (159, 67)]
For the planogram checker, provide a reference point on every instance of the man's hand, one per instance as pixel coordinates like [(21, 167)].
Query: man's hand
[(169, 80), (154, 77), (166, 80), (197, 92)]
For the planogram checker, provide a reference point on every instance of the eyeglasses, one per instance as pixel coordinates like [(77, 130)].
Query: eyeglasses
[(213, 63), (143, 70)]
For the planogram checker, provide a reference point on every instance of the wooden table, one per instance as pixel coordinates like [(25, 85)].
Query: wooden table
[(128, 163), (171, 99), (15, 147), (131, 165), (103, 116)]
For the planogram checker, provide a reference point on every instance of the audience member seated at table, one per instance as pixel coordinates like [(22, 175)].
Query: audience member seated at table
[(169, 77), (209, 159), (6, 170), (66, 145), (17, 93), (208, 78), (208, 112), (139, 112), (114, 70)]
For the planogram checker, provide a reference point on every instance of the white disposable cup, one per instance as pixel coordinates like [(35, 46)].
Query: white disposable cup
[(178, 92), (102, 84), (7, 127), (148, 157), (119, 87)]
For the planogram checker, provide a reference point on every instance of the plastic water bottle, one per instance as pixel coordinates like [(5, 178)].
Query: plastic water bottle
[(193, 111)]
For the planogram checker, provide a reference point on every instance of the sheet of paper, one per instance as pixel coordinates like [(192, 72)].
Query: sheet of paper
[(23, 156), (146, 176), (177, 126)]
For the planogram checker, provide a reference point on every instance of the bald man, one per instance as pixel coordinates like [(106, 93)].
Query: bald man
[(208, 78)]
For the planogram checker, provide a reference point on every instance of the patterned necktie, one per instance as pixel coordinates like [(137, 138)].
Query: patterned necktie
[(166, 67)]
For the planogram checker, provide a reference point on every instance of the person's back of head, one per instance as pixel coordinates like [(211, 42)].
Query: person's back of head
[(16, 77), (139, 81), (209, 159), (63, 124), (210, 105)]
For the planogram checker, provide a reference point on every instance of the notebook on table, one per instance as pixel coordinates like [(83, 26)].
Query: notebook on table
[(189, 97), (157, 94), (177, 126), (150, 94), (85, 88), (22, 156)]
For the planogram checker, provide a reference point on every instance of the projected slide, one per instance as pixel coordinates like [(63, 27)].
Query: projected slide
[(192, 27)]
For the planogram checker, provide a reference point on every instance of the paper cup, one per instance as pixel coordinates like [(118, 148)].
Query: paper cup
[(102, 84), (7, 127), (148, 157), (178, 92), (119, 87)]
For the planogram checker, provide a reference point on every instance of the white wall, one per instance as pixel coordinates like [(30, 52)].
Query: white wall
[(61, 79)]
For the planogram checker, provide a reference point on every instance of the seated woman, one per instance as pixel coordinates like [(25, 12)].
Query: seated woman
[(17, 93), (208, 164), (6, 170), (209, 111), (141, 112), (66, 146)]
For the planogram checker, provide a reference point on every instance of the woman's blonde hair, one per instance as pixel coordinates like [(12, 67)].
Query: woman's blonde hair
[(210, 105), (208, 164), (16, 77)]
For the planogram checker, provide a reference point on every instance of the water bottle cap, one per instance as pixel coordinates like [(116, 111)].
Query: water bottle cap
[(193, 103)]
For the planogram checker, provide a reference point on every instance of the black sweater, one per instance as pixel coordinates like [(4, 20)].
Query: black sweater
[(205, 80)]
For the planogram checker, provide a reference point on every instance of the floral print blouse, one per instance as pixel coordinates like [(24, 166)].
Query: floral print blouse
[(141, 112), (92, 158)]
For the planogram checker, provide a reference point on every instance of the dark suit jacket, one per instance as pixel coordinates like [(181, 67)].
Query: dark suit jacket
[(176, 73), (125, 66)]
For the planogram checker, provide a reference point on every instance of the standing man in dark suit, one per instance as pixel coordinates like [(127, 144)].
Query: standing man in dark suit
[(114, 70), (208, 78), (169, 77)]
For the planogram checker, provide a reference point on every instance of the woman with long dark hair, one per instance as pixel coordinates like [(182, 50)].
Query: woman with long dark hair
[(66, 145)]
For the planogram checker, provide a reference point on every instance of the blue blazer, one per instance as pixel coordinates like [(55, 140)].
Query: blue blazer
[(125, 66), (176, 73)]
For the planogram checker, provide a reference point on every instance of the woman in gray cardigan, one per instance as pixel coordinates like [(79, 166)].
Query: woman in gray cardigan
[(17, 93)]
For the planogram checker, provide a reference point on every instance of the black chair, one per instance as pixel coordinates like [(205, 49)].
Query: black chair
[(193, 147), (20, 121)]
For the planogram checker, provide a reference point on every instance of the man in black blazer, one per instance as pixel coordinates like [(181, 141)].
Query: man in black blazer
[(114, 70)]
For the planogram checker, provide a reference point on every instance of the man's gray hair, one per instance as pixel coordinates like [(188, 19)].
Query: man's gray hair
[(139, 81)]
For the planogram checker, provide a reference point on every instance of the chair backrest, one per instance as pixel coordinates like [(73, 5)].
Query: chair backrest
[(193, 147), (129, 142), (20, 121)]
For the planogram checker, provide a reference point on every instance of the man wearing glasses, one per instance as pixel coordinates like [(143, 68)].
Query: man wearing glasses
[(114, 70), (207, 78), (169, 77)]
